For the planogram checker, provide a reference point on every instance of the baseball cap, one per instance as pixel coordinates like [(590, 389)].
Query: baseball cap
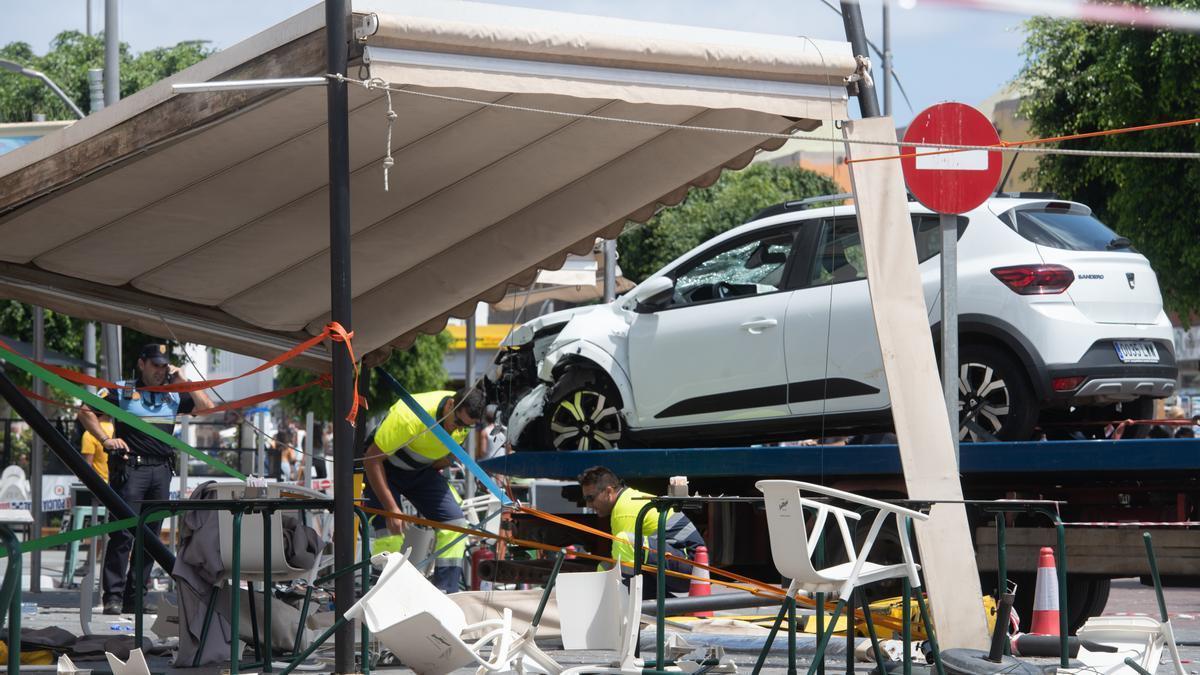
[(156, 353)]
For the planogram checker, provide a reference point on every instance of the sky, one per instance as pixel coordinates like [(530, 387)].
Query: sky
[(939, 54)]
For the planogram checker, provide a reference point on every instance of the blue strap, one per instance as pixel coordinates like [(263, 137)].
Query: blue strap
[(447, 440)]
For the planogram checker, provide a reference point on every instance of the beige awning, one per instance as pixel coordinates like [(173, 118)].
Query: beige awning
[(204, 217)]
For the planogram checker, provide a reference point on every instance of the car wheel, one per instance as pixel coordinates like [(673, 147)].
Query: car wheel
[(995, 398), (583, 412)]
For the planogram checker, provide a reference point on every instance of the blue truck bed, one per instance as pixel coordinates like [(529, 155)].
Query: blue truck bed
[(1061, 459)]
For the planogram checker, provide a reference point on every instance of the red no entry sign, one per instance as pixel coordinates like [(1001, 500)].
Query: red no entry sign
[(953, 182)]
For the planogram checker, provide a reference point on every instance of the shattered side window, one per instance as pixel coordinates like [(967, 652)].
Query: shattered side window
[(746, 268)]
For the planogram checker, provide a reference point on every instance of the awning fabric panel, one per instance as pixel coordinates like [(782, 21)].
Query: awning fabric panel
[(213, 211)]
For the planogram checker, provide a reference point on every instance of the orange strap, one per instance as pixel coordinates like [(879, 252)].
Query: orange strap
[(323, 381), (752, 586), (1036, 141), (333, 331), (337, 333)]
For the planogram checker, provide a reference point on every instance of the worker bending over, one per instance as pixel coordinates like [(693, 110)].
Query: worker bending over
[(608, 497), (404, 457)]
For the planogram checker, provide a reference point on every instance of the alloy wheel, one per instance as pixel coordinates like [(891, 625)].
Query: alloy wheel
[(585, 420), (983, 402)]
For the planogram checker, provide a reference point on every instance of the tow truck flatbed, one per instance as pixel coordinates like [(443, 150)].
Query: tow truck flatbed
[(1058, 460)]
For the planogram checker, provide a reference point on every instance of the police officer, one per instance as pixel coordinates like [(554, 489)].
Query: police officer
[(139, 466), (608, 497), (404, 457)]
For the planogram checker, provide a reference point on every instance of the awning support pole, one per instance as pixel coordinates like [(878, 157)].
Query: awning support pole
[(74, 461), (336, 53), (856, 35)]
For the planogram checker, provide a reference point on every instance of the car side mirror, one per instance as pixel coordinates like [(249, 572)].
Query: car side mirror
[(651, 295)]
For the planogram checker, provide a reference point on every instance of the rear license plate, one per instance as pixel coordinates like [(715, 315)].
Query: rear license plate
[(1137, 352)]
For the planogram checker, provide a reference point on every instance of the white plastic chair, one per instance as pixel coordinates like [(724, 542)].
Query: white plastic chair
[(14, 486), (485, 507), (423, 627), (253, 567), (1139, 637), (611, 622), (793, 543)]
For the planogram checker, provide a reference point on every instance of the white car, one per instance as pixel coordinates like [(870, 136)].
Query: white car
[(765, 333)]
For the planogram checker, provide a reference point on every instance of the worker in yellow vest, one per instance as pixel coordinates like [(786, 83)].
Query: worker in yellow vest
[(405, 458), (604, 492)]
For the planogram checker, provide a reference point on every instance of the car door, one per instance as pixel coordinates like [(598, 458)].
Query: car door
[(841, 371), (715, 353)]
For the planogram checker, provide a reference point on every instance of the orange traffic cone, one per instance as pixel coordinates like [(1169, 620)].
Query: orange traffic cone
[(699, 587), (1045, 596)]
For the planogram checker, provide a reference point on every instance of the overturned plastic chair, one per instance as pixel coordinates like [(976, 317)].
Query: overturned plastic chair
[(423, 628), (611, 622), (794, 541)]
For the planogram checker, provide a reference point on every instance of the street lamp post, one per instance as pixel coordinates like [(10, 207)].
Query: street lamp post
[(38, 75)]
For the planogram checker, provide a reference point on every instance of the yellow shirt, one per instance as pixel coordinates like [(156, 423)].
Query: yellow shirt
[(92, 446), (402, 428)]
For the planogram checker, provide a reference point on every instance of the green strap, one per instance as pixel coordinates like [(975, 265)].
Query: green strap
[(61, 538), (100, 404)]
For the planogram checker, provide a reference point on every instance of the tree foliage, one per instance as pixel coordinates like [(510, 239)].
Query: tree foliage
[(71, 55), (707, 212), (1080, 78), (419, 368)]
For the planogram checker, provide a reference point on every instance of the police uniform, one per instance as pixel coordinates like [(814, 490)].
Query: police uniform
[(682, 538), (144, 475), (410, 450)]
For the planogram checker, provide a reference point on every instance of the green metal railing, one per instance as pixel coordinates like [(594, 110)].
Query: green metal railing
[(10, 597), (239, 508)]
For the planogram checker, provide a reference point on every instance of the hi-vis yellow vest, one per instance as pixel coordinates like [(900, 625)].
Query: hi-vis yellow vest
[(403, 429), (623, 523)]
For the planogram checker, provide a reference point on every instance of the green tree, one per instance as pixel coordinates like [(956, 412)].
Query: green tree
[(71, 55), (419, 368), (707, 212), (1080, 78)]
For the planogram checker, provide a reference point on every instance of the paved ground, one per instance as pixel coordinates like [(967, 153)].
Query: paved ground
[(61, 608)]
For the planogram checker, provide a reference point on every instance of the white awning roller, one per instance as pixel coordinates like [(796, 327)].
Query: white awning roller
[(212, 207)]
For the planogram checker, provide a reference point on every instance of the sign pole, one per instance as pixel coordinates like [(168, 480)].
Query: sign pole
[(949, 295)]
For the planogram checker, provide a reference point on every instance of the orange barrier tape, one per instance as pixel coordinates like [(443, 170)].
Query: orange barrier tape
[(752, 586), (323, 381), (44, 399), (333, 331), (337, 333), (1035, 141)]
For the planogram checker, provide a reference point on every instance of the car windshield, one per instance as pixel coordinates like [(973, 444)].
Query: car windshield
[(1065, 229)]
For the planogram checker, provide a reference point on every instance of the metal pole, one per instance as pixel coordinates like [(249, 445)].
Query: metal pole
[(338, 123), (89, 350), (112, 51), (36, 454), (112, 352), (87, 5), (306, 460), (856, 35), (260, 447), (469, 380), (887, 57), (949, 297), (95, 78), (610, 270)]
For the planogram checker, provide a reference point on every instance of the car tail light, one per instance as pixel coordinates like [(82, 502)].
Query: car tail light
[(1066, 383), (1035, 279)]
